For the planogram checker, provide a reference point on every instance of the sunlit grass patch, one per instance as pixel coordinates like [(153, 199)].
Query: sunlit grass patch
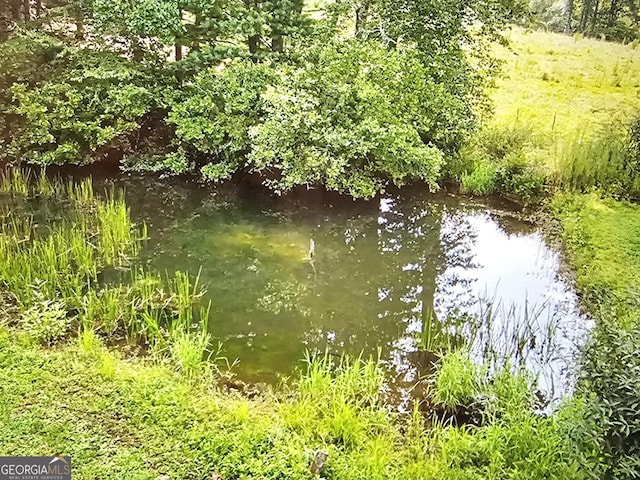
[(571, 100), (602, 240)]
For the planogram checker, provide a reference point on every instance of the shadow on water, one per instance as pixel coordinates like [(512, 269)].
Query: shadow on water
[(320, 272)]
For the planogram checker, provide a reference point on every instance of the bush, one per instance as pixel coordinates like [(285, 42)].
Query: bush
[(495, 161), (481, 180), (518, 177), (46, 322), (81, 114), (361, 118), (24, 59), (610, 382)]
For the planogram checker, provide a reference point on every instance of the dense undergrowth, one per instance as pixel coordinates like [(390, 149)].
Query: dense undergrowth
[(361, 119), (601, 235)]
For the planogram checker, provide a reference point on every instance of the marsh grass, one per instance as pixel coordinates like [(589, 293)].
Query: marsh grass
[(339, 400), (604, 162), (497, 335), (53, 272)]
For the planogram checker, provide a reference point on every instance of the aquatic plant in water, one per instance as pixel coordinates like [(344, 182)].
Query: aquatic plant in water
[(53, 273)]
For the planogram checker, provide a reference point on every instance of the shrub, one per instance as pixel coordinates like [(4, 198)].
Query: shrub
[(610, 382), (24, 59), (91, 106), (518, 177), (481, 180), (46, 322), (361, 118)]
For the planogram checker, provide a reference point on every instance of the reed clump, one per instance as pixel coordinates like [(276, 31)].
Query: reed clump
[(56, 238)]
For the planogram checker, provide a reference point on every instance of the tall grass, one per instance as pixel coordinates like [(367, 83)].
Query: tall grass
[(339, 400), (604, 161), (58, 265), (496, 335)]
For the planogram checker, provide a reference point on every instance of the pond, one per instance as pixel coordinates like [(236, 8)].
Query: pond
[(383, 277)]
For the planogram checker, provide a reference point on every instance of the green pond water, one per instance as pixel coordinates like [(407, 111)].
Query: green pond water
[(376, 272)]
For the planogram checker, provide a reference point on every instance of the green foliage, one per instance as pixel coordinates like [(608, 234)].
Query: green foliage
[(135, 20), (213, 115), (334, 407), (46, 322), (78, 116), (362, 118), (354, 123), (610, 381), (458, 380), (24, 59), (496, 161), (607, 161), (602, 241), (519, 177), (481, 180)]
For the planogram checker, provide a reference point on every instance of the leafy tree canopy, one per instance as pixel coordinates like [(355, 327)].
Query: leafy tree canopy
[(349, 95)]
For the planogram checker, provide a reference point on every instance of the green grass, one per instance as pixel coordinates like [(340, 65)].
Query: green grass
[(602, 238), (51, 272), (559, 86), (130, 418), (563, 108)]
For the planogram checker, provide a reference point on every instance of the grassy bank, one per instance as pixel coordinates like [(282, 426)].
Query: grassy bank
[(601, 236), (128, 418)]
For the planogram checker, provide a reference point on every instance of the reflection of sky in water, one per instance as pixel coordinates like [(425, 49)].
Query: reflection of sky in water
[(510, 281), (376, 270)]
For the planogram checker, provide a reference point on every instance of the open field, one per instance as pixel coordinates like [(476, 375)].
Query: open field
[(561, 87)]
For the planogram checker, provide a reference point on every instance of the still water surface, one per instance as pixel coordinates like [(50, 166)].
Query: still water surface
[(286, 277)]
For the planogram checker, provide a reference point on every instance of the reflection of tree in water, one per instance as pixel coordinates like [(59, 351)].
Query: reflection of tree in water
[(375, 281), (377, 278)]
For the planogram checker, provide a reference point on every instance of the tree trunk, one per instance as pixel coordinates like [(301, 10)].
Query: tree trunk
[(613, 13), (178, 42), (38, 8), (569, 12), (253, 41), (584, 17), (27, 10), (15, 9), (195, 41), (634, 11), (362, 13), (79, 24), (277, 42), (594, 18)]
